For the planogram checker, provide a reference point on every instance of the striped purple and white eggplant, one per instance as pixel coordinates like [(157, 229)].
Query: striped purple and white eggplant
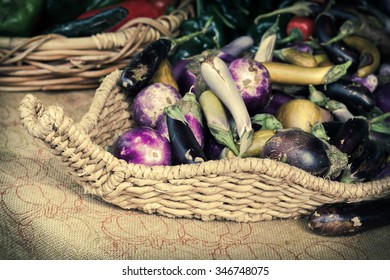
[(253, 82), (217, 76)]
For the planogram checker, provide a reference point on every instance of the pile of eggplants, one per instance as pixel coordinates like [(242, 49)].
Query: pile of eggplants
[(259, 98)]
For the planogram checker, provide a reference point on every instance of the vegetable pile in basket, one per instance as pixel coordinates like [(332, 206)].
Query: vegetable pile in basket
[(73, 18), (301, 82)]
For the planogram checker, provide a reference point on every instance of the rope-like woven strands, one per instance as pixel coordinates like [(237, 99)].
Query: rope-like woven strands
[(54, 62), (245, 190)]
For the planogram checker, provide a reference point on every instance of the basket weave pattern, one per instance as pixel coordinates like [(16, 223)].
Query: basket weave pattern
[(55, 62), (243, 190)]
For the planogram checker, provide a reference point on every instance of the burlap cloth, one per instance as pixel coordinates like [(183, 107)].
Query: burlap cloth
[(44, 214)]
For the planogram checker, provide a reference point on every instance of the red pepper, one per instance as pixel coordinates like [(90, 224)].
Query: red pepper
[(303, 26), (135, 8), (160, 5)]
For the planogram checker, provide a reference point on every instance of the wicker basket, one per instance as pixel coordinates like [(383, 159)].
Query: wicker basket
[(54, 62), (244, 190)]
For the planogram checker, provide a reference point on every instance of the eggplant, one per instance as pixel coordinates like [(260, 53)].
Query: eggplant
[(356, 97), (142, 145), (367, 163), (149, 103), (370, 81), (331, 128), (184, 146), (344, 219), (278, 98), (300, 149), (253, 82), (350, 135), (141, 68), (338, 52), (382, 97)]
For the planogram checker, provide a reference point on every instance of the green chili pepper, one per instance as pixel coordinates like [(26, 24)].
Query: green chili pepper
[(18, 18)]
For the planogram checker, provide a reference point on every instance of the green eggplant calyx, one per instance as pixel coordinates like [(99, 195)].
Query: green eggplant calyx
[(317, 97), (267, 121), (336, 72), (338, 161), (175, 113), (224, 137), (318, 131)]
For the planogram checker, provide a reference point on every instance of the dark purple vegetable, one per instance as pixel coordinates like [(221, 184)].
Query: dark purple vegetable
[(368, 162), (278, 98), (350, 135), (150, 102), (340, 219), (212, 148), (382, 97), (142, 145), (253, 82), (384, 172), (331, 128), (298, 148), (356, 97), (140, 69), (184, 146), (338, 52)]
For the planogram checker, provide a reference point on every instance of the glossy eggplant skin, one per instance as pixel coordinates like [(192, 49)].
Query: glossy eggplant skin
[(338, 52), (343, 219), (298, 148), (184, 146), (368, 161), (143, 65), (358, 99), (351, 134)]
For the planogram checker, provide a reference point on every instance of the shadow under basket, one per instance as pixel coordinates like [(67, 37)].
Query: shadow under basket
[(242, 190), (54, 62)]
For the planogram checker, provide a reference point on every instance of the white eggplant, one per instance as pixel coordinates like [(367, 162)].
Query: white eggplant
[(217, 76)]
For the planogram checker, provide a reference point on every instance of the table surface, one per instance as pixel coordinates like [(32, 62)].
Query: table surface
[(44, 214)]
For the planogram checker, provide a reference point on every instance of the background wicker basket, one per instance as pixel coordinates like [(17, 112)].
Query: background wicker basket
[(244, 190), (54, 62)]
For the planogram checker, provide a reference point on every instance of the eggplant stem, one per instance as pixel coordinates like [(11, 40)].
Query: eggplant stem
[(301, 8), (224, 137), (222, 17), (336, 72), (380, 118), (175, 113)]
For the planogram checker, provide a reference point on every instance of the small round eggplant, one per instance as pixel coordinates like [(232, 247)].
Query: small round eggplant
[(150, 102), (253, 82), (142, 145), (300, 149)]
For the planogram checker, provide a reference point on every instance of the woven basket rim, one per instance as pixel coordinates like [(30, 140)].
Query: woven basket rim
[(53, 116)]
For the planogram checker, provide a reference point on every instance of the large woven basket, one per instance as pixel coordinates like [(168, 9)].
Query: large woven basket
[(244, 190), (54, 62)]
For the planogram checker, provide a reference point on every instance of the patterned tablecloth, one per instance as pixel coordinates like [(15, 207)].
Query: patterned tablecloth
[(44, 214)]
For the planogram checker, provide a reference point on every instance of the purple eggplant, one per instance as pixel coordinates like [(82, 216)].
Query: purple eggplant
[(187, 72), (370, 81), (149, 103), (356, 97), (350, 135), (142, 145), (342, 219), (367, 163), (300, 149), (253, 82), (184, 146), (382, 97), (278, 98), (384, 172)]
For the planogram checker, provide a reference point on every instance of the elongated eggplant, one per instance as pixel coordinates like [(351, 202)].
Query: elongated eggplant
[(368, 162), (338, 52), (141, 68), (350, 135), (342, 219), (356, 97), (184, 146)]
